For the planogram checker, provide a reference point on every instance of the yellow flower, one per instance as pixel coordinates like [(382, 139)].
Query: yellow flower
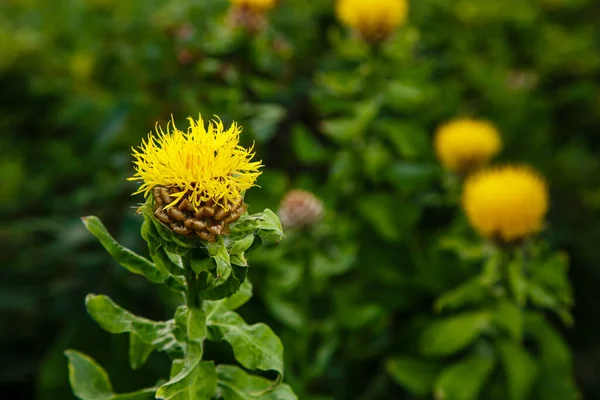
[(374, 20), (202, 165), (506, 203), (259, 6), (465, 144)]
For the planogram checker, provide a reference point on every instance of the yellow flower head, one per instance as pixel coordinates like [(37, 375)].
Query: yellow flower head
[(464, 144), (374, 20), (506, 203), (205, 164), (259, 6)]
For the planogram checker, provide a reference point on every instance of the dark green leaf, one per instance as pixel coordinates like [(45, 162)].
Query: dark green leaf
[(463, 380), (417, 375), (510, 317), (520, 369), (517, 281), (471, 292), (306, 147), (452, 334)]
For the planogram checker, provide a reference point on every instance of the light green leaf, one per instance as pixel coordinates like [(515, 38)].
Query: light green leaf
[(254, 346), (115, 319), (520, 369), (450, 335), (509, 316), (417, 375), (465, 379), (239, 298), (236, 384), (196, 324), (158, 252), (191, 379), (138, 351), (131, 261), (90, 381)]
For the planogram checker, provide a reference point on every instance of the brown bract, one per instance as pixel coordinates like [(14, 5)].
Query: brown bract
[(210, 220)]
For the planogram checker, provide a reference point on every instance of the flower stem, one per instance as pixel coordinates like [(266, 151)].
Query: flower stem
[(306, 331), (192, 294)]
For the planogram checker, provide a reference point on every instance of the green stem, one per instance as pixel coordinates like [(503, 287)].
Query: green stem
[(306, 332), (192, 294)]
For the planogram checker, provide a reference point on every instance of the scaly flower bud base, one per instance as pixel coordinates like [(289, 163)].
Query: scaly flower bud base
[(208, 221)]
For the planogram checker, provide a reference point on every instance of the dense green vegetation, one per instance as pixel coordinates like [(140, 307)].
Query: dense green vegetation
[(84, 80)]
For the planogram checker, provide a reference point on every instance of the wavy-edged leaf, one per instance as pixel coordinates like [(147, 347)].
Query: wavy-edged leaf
[(138, 351), (131, 261), (452, 334), (90, 381), (471, 292), (236, 384), (254, 346), (115, 319), (465, 379)]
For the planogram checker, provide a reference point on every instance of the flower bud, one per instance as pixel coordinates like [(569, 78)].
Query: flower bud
[(300, 208)]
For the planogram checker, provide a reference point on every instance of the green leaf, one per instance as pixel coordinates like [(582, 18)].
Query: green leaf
[(306, 147), (387, 218), (115, 319), (254, 346), (518, 285), (417, 375), (138, 351), (236, 384), (131, 261), (471, 292), (464, 380), (520, 369), (158, 252), (452, 334), (196, 324), (90, 381), (509, 316), (190, 380)]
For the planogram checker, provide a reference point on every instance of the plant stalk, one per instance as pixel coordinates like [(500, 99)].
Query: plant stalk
[(192, 294)]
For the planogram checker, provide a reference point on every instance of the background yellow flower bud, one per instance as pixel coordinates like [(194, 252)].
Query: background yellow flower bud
[(506, 203), (374, 20), (464, 144)]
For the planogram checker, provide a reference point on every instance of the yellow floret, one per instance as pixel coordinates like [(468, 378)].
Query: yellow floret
[(205, 164)]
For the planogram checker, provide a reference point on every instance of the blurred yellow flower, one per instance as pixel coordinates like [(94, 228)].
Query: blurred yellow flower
[(202, 165), (465, 144), (505, 203), (374, 20), (259, 6)]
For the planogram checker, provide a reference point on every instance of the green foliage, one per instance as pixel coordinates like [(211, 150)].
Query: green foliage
[(255, 347), (354, 298)]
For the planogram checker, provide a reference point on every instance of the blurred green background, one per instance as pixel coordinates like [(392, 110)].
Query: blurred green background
[(82, 81)]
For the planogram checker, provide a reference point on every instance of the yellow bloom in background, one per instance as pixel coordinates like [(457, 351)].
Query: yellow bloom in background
[(506, 203), (465, 144), (197, 178), (374, 20), (259, 6)]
